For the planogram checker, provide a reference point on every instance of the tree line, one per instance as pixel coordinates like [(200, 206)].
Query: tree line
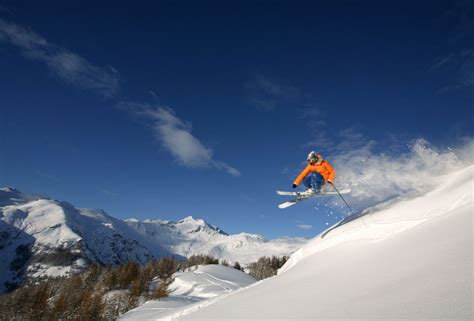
[(266, 267), (105, 292)]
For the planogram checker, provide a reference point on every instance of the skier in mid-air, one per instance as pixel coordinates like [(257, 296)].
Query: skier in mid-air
[(317, 173)]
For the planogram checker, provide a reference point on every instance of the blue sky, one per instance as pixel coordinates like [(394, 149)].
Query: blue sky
[(167, 109)]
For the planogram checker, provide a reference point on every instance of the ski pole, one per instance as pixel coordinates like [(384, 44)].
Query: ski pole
[(350, 209)]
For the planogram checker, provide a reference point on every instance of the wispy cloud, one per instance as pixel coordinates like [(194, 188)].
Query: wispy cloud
[(305, 227), (175, 135), (462, 64), (67, 66), (460, 60), (302, 225), (267, 94)]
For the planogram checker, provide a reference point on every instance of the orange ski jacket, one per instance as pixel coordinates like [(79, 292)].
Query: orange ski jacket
[(323, 168)]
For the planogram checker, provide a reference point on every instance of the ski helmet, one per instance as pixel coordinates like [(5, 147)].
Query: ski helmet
[(313, 157)]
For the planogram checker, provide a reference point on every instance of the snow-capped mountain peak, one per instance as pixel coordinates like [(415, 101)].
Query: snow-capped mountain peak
[(41, 236), (193, 225), (11, 196)]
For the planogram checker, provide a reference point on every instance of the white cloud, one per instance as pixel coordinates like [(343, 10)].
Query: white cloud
[(225, 167), (67, 66), (305, 226), (175, 135)]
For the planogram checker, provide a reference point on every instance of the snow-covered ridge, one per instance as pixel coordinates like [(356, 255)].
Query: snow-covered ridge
[(195, 236), (40, 236), (195, 285)]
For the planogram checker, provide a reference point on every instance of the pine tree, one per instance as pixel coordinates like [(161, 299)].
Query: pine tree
[(127, 273), (166, 267), (161, 291), (266, 267), (111, 279), (92, 306), (237, 266), (224, 262)]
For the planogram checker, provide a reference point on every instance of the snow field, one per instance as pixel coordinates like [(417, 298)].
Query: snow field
[(407, 259)]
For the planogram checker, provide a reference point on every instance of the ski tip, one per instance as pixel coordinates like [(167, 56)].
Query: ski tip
[(285, 205), (286, 193)]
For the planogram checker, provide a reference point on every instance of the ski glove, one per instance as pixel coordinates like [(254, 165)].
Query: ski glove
[(294, 185)]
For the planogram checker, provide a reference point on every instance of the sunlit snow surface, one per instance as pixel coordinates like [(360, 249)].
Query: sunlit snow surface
[(407, 259), (194, 286)]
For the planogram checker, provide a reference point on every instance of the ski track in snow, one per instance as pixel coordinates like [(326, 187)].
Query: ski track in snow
[(180, 312), (216, 278), (193, 290)]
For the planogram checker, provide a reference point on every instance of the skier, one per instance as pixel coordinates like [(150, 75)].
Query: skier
[(316, 174)]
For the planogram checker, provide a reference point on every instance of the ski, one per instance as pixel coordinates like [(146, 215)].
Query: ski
[(294, 201), (343, 191), (301, 197), (286, 193)]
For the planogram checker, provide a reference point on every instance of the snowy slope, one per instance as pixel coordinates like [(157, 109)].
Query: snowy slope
[(408, 259), (195, 236), (196, 285)]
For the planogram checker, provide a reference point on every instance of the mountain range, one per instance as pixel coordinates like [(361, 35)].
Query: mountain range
[(43, 237)]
